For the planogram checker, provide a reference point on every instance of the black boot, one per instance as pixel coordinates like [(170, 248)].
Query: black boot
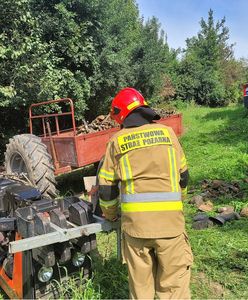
[(222, 218)]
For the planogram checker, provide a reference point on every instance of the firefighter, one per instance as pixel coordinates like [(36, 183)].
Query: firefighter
[(145, 161)]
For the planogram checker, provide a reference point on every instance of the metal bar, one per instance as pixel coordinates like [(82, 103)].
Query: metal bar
[(52, 115), (53, 237), (71, 224), (73, 118), (30, 120), (58, 236), (50, 101), (118, 237), (44, 127), (45, 103), (53, 149), (57, 125)]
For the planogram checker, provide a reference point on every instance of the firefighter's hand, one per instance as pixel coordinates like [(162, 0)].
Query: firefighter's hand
[(111, 218), (117, 217), (116, 223), (113, 223)]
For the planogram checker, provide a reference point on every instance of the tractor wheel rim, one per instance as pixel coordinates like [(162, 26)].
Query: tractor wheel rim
[(17, 164)]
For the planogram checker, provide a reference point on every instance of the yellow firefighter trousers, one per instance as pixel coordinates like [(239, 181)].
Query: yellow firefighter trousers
[(158, 267)]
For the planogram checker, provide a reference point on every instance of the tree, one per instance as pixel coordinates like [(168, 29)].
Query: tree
[(70, 29), (118, 35), (151, 60), (24, 59), (206, 56)]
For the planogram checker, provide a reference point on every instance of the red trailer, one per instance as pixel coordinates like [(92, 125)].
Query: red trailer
[(68, 149), (245, 89)]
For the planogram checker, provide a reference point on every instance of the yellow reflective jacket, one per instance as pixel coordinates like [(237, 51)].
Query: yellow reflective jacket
[(146, 163)]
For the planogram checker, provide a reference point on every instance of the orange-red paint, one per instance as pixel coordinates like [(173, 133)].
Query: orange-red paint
[(13, 287)]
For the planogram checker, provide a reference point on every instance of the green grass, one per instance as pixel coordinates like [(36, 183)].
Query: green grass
[(215, 142), (78, 289), (216, 146)]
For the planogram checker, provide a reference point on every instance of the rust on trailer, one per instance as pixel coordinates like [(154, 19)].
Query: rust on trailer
[(70, 150)]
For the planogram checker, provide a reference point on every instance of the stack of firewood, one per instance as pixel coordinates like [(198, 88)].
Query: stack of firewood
[(165, 112), (102, 122), (217, 188)]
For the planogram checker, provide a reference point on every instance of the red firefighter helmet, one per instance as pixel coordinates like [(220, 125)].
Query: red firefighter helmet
[(125, 102)]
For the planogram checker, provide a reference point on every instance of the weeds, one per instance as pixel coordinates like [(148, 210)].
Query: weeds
[(78, 288)]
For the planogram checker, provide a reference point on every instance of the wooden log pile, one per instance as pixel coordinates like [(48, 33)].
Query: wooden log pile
[(165, 112), (214, 189), (217, 188), (102, 122)]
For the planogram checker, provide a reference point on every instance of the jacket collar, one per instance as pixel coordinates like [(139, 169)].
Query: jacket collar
[(140, 116)]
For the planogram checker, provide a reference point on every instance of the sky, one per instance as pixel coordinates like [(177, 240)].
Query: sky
[(180, 19)]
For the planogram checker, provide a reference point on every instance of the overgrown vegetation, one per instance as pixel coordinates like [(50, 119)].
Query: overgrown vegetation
[(88, 50)]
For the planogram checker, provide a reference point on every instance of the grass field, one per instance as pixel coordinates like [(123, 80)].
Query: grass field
[(216, 145)]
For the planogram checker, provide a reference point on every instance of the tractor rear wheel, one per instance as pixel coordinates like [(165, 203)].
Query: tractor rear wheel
[(26, 154)]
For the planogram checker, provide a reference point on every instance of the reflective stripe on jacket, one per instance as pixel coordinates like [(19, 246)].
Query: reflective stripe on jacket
[(147, 162)]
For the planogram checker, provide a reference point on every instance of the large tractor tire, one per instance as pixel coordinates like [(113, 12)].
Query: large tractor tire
[(26, 154)]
